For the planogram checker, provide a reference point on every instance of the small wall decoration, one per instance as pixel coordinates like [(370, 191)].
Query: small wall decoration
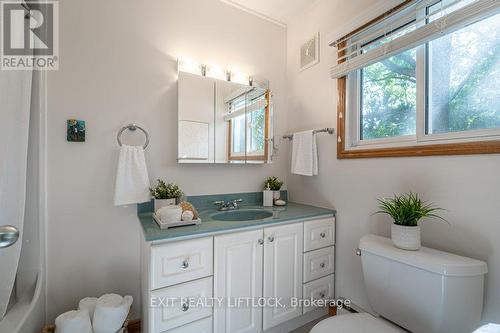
[(309, 52), (75, 130)]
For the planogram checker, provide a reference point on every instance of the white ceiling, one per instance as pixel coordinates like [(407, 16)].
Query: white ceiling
[(277, 11)]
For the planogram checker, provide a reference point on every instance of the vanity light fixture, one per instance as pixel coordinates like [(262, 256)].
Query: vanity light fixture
[(216, 73), (192, 67), (189, 66)]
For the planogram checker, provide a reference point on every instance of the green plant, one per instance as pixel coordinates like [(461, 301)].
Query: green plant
[(273, 183), (407, 209), (166, 191)]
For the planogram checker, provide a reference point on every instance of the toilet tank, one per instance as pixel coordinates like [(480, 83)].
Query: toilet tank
[(425, 291)]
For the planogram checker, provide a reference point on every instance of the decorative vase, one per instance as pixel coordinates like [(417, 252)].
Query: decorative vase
[(406, 238), (159, 203), (276, 195), (267, 198)]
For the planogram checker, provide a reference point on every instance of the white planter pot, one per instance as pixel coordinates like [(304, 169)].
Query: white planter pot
[(276, 195), (406, 238), (267, 198), (159, 203)]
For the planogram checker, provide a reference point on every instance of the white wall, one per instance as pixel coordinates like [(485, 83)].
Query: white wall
[(468, 186), (117, 65)]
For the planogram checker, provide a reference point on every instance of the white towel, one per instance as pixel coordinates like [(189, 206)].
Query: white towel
[(111, 312), (132, 180), (304, 154), (88, 304), (490, 328), (74, 322)]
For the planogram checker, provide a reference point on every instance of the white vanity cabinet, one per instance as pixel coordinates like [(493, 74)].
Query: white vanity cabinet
[(238, 267), (319, 260), (294, 260), (283, 246)]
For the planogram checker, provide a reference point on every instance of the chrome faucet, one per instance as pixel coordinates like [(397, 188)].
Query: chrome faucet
[(228, 205)]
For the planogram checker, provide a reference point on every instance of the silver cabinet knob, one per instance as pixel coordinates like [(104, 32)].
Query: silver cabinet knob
[(185, 264), (261, 241), (271, 239), (358, 252), (185, 307), (322, 265), (322, 235), (8, 235)]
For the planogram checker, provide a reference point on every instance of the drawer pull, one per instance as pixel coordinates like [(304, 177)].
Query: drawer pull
[(185, 264), (271, 239), (323, 235), (322, 295), (185, 307), (322, 265), (261, 241)]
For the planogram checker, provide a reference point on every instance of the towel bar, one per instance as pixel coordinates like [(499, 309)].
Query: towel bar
[(132, 127), (328, 130)]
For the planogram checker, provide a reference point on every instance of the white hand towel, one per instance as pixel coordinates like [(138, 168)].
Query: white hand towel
[(304, 154), (132, 180), (74, 322), (490, 328), (111, 312), (88, 304)]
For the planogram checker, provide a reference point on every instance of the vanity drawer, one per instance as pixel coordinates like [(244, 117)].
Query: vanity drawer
[(200, 326), (318, 263), (319, 289), (319, 233), (181, 261), (175, 310)]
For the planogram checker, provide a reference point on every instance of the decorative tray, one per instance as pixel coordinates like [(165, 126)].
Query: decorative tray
[(166, 225)]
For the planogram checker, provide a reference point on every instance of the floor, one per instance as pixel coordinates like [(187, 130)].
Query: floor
[(306, 328)]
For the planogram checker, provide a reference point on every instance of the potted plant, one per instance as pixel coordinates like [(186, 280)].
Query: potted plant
[(274, 184), (406, 211), (165, 194)]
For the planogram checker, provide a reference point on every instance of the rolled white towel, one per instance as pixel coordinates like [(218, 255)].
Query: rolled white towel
[(111, 312), (169, 214), (88, 304), (76, 321)]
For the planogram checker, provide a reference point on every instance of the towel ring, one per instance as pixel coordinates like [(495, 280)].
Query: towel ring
[(132, 127)]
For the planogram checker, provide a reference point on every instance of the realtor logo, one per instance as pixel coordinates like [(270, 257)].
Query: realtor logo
[(29, 35)]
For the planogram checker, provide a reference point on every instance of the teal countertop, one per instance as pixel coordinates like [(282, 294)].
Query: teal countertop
[(292, 212)]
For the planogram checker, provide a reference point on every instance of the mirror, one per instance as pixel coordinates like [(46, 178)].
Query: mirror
[(222, 121)]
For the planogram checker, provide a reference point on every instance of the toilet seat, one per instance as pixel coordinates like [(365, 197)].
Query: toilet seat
[(355, 323)]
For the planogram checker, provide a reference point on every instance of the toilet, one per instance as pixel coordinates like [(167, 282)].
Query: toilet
[(425, 291)]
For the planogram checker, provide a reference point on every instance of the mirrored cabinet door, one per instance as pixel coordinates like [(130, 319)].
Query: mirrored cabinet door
[(223, 122), (196, 127)]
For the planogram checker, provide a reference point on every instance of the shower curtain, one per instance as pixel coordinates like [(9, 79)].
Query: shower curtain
[(15, 98)]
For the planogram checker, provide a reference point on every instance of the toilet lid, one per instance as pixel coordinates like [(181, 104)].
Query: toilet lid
[(354, 323)]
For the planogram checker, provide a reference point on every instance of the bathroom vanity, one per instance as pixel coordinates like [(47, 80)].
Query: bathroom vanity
[(288, 254)]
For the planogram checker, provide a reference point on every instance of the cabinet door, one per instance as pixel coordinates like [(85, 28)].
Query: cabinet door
[(283, 247), (238, 274)]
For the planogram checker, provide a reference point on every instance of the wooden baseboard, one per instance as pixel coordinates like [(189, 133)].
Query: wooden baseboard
[(134, 326)]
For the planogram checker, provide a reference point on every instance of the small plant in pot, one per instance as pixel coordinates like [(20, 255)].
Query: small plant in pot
[(165, 194), (407, 210), (274, 184)]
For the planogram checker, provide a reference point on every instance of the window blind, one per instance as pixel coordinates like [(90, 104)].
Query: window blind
[(254, 105), (410, 27)]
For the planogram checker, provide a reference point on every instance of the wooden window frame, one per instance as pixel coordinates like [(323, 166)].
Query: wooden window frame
[(264, 157), (455, 148)]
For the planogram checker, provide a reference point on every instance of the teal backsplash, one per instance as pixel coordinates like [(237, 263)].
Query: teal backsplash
[(202, 202)]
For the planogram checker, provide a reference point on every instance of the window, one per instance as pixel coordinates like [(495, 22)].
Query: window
[(441, 96), (464, 79), (249, 131)]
